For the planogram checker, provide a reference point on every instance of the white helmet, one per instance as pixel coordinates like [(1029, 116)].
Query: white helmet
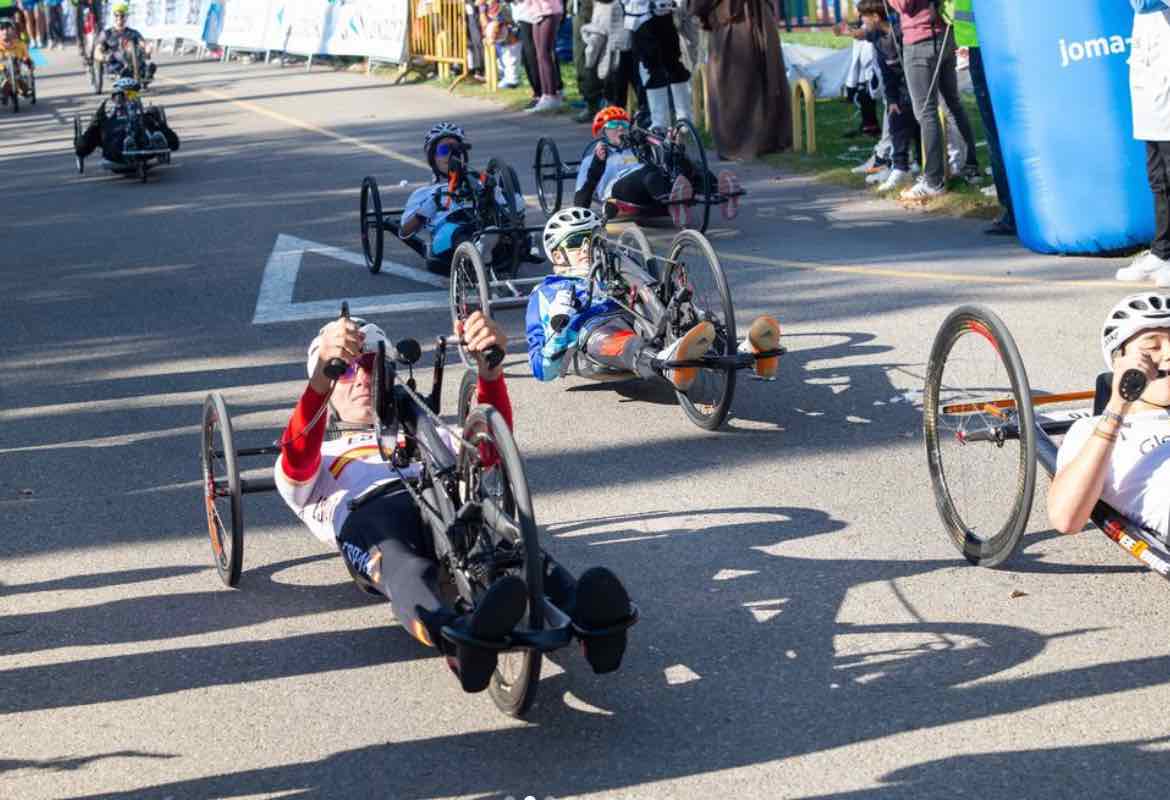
[(565, 223), (373, 333), (1132, 315)]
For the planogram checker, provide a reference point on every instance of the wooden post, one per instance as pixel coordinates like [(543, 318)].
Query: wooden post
[(804, 95), (490, 67)]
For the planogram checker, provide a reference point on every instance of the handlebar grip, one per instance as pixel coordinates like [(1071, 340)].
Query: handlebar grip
[(493, 356), (336, 367)]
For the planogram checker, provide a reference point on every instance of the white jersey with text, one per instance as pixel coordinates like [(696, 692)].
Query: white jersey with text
[(1139, 466), (349, 466), (618, 163)]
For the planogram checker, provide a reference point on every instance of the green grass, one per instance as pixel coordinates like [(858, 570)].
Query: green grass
[(823, 38), (836, 155), (512, 99)]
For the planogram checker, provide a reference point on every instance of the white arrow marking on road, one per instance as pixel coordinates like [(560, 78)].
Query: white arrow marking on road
[(764, 610), (732, 574), (275, 301)]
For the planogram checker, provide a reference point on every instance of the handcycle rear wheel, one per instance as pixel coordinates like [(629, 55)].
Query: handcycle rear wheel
[(549, 175), (469, 289), (981, 454), (371, 225), (13, 84), (76, 140), (693, 264), (513, 684), (221, 490), (687, 140)]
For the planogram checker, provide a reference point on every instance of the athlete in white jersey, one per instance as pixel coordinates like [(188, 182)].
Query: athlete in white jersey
[(1123, 456), (384, 543)]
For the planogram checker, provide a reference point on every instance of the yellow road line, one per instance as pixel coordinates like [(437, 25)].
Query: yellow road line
[(255, 108), (949, 277)]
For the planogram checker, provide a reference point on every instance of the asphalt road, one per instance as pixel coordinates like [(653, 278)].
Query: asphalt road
[(808, 629)]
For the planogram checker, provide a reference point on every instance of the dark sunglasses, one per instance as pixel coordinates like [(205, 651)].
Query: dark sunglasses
[(364, 361), (617, 124), (444, 149), (576, 239)]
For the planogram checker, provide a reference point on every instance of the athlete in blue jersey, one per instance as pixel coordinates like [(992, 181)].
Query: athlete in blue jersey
[(570, 332)]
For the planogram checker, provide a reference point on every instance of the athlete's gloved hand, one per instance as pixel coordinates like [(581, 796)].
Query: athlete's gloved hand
[(480, 334)]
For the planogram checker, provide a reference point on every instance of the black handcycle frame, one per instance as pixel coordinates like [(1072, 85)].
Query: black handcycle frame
[(457, 515), (138, 162), (652, 148)]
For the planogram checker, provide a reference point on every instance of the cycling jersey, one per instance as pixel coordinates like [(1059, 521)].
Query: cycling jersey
[(618, 163), (317, 479), (1138, 468), (547, 348)]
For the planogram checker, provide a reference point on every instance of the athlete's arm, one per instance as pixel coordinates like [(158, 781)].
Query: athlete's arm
[(479, 334), (589, 175)]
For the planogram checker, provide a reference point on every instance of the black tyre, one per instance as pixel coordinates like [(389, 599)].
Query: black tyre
[(32, 86), (469, 289), (513, 685), (549, 175), (100, 75), (140, 171), (13, 85), (76, 139), (694, 265), (688, 144), (980, 441), (467, 394), (510, 216), (373, 235), (634, 238), (221, 490)]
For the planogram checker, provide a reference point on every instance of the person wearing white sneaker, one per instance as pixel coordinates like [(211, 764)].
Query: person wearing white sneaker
[(1143, 268), (1149, 64), (895, 180)]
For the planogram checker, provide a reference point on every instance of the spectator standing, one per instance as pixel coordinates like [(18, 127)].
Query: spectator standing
[(928, 55), (751, 110), (523, 16), (608, 47), (35, 22), (56, 23), (1149, 86), (903, 128), (588, 83), (967, 37), (547, 16)]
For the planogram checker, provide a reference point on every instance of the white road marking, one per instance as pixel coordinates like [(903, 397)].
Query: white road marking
[(275, 300), (732, 574), (679, 674), (765, 610)]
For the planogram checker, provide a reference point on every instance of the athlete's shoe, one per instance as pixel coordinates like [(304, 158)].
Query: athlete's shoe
[(895, 180), (921, 191), (1142, 268), (498, 612), (600, 602), (763, 335), (729, 187), (691, 345), (681, 193)]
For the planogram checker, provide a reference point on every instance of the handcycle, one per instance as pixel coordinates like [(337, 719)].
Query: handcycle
[(89, 30), (669, 152), (663, 296), (12, 76), (985, 434), (133, 64), (490, 214), (137, 161), (473, 498)]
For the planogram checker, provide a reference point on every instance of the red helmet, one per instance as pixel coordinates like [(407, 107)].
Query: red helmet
[(607, 114)]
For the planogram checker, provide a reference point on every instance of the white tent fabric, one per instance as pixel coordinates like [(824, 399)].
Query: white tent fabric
[(825, 67)]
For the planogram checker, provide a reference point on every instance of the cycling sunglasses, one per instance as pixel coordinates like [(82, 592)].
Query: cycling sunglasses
[(444, 149), (576, 239), (364, 361), (617, 125)]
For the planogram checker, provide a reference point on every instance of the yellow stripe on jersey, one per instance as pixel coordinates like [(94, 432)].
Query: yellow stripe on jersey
[(349, 456)]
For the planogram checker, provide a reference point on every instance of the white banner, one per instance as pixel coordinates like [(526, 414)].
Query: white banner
[(366, 28), (169, 19)]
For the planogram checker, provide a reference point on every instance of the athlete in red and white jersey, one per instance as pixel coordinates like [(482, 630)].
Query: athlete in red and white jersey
[(384, 543)]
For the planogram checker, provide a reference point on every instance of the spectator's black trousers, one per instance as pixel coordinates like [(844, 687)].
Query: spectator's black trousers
[(1158, 171)]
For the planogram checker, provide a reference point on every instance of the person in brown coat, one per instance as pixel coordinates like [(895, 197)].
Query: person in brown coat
[(751, 110)]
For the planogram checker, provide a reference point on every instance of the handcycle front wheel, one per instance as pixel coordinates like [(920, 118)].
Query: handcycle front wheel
[(549, 176), (373, 239), (694, 266), (634, 238), (13, 85), (222, 490), (511, 216), (503, 482), (980, 440), (468, 289), (686, 140)]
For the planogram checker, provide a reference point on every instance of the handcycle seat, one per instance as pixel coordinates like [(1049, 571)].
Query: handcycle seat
[(1103, 391)]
